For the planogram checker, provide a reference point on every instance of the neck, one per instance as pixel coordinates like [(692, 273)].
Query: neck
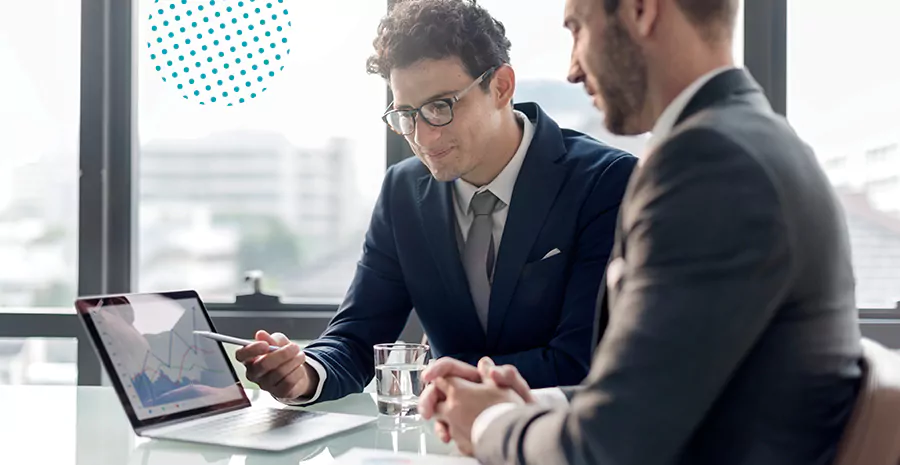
[(677, 71), (498, 152)]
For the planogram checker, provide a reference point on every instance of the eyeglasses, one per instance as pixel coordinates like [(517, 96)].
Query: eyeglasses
[(437, 113)]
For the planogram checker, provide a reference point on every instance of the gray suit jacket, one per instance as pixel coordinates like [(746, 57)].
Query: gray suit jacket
[(732, 334)]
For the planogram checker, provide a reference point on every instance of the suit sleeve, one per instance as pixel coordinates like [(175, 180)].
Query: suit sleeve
[(375, 309), (707, 260), (565, 360)]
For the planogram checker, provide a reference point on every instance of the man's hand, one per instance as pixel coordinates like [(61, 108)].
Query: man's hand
[(284, 372), (506, 376), (463, 402)]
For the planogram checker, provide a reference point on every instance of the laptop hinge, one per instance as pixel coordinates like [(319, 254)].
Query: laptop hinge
[(167, 425)]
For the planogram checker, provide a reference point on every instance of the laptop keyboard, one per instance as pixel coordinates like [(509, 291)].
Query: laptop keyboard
[(251, 421)]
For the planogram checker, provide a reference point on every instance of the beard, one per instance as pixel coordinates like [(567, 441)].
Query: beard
[(622, 80)]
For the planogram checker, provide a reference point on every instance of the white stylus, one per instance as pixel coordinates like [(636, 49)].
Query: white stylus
[(230, 340)]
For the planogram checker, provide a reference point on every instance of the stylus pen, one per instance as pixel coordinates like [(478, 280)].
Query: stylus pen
[(230, 340)]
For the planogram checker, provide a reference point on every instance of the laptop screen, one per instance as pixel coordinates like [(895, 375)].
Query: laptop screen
[(160, 366)]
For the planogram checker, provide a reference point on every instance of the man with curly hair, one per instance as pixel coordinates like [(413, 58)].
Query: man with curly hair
[(497, 232)]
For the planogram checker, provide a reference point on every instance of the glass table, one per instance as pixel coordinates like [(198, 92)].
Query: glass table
[(63, 425)]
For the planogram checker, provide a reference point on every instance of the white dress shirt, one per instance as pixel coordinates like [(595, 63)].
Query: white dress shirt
[(667, 119), (502, 186), (554, 397)]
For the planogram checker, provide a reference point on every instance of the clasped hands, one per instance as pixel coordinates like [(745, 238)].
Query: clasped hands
[(456, 393)]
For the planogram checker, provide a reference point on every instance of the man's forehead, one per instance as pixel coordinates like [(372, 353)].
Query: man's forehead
[(426, 80)]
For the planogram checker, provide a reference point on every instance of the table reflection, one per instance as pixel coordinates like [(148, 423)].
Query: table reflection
[(87, 426), (397, 434)]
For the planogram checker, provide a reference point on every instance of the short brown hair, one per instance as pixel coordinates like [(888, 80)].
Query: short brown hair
[(414, 30), (715, 18)]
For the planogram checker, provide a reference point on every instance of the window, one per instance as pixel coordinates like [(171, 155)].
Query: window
[(39, 167), (883, 154), (540, 54), (38, 361), (843, 99), (282, 182)]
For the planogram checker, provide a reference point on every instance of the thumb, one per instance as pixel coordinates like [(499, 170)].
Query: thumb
[(485, 367), (443, 385)]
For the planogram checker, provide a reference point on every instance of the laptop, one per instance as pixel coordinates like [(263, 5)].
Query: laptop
[(179, 386)]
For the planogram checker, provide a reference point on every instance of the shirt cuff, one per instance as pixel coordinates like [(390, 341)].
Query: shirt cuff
[(550, 397), (320, 370), (484, 420), (547, 397)]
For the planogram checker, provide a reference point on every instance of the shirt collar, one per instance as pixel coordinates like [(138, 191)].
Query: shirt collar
[(502, 186), (667, 119)]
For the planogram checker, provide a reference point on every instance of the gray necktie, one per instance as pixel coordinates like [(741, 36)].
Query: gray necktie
[(478, 254)]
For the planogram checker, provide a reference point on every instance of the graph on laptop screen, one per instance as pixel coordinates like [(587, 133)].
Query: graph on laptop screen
[(163, 366)]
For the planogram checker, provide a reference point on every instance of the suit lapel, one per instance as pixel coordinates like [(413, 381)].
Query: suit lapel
[(436, 214), (537, 186), (606, 298)]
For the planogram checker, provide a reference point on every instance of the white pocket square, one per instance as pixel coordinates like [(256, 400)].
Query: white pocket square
[(551, 254)]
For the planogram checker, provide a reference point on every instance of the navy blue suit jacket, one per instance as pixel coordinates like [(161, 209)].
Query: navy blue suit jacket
[(541, 312)]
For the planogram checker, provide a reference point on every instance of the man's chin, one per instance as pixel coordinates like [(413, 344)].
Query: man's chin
[(621, 125), (599, 103), (444, 175)]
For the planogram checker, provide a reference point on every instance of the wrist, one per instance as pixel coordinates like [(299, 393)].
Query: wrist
[(309, 382)]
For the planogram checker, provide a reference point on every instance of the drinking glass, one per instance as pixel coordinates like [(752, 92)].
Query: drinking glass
[(398, 377)]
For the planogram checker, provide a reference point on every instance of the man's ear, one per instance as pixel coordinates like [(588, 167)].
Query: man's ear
[(639, 16), (503, 85)]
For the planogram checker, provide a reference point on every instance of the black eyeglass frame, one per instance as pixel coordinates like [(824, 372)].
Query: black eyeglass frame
[(449, 101)]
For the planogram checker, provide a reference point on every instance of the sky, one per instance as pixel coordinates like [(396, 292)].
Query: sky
[(842, 77)]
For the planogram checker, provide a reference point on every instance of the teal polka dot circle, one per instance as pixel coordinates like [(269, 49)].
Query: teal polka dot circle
[(212, 47)]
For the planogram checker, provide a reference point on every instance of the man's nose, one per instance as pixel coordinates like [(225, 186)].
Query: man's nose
[(425, 133), (576, 74)]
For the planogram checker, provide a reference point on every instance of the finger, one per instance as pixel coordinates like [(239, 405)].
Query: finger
[(284, 359), (485, 365), (446, 386), (262, 335), (442, 410), (290, 386), (463, 443), (280, 339), (273, 378), (289, 353), (442, 431), (429, 398), (509, 377), (448, 367), (251, 352)]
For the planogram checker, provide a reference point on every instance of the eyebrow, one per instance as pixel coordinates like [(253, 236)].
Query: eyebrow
[(434, 97)]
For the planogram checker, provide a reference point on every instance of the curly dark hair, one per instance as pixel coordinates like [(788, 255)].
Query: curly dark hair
[(414, 30)]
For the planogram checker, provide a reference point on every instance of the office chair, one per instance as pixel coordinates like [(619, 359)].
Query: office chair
[(872, 436)]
